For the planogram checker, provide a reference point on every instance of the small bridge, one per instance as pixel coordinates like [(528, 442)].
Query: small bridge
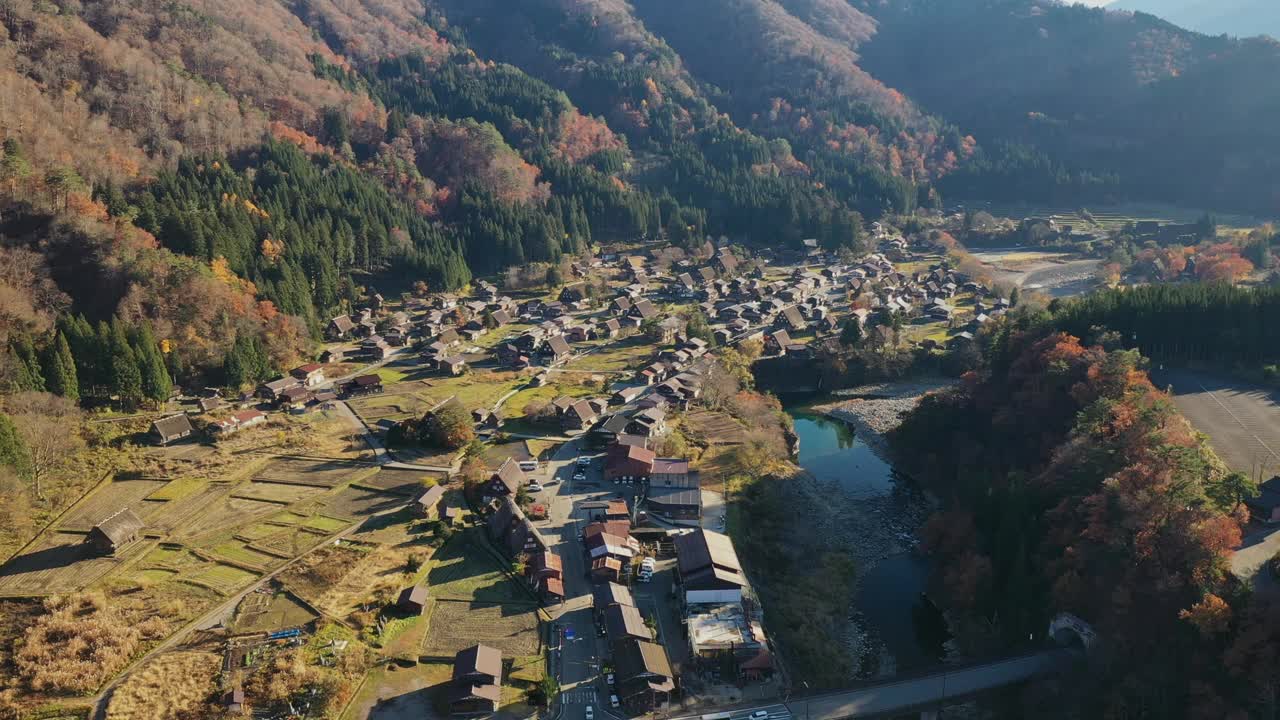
[(926, 693)]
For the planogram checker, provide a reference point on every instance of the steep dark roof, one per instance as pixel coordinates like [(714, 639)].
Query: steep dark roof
[(511, 476), (637, 658), (120, 526), (624, 620), (172, 427), (558, 345), (705, 554), (416, 594), (611, 594), (478, 659)]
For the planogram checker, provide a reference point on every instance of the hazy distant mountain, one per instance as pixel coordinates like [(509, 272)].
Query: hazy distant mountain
[(1213, 17)]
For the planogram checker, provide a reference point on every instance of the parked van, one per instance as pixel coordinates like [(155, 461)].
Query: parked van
[(528, 465)]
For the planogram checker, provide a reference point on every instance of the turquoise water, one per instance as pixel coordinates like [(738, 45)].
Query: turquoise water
[(831, 451), (891, 597)]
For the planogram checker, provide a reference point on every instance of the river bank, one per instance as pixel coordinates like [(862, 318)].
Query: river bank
[(850, 500)]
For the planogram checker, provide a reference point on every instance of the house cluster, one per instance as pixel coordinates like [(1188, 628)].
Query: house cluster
[(611, 550), (299, 391), (644, 680), (670, 489), (722, 616)]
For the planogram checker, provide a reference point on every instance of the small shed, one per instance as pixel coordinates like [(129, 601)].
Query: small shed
[(413, 599), (114, 533)]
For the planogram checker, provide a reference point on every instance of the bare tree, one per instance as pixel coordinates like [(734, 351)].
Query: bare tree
[(50, 429)]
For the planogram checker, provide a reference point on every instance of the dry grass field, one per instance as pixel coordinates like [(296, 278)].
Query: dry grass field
[(714, 428), (225, 514), (173, 686)]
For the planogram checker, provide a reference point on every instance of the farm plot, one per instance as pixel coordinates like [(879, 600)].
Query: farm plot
[(399, 402), (318, 473), (268, 611), (58, 564), (355, 502), (222, 579), (226, 514), (171, 515), (239, 553), (289, 542), (513, 629), (400, 481), (273, 492), (110, 499), (615, 356)]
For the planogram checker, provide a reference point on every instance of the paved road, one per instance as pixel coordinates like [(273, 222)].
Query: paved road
[(1243, 425), (576, 662), (902, 696)]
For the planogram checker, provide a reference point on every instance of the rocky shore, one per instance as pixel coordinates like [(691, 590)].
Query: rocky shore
[(868, 529)]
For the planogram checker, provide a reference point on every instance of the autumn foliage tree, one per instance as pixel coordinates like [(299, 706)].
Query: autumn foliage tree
[(1072, 484)]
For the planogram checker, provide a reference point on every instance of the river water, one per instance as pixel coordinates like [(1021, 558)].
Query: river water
[(891, 595)]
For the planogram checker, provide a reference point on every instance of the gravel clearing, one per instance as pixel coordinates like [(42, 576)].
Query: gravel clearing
[(874, 410)]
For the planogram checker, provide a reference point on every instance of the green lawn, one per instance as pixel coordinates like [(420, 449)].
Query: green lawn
[(515, 405), (325, 523), (465, 570), (178, 489), (630, 353)]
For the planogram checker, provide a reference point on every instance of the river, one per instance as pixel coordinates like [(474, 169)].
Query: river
[(890, 596)]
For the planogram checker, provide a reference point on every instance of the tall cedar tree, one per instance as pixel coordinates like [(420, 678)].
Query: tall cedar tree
[(156, 385), (126, 376), (13, 453), (28, 376), (60, 369)]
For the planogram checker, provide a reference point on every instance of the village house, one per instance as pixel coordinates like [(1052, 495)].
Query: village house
[(707, 568), (412, 600), (114, 533), (507, 479), (628, 462), (557, 350), (310, 375), (454, 366), (644, 310), (273, 390), (427, 505), (669, 328), (606, 570), (578, 417), (511, 529), (1265, 507), (644, 677), (237, 422), (777, 342), (606, 595), (339, 328), (476, 685), (171, 429), (623, 622), (361, 385)]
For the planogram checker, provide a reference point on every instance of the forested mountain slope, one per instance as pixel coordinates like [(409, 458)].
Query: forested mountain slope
[(221, 170), (1175, 115), (1242, 18)]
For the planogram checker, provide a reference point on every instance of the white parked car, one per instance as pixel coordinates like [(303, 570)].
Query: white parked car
[(613, 700), (535, 487), (759, 715), (591, 713)]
